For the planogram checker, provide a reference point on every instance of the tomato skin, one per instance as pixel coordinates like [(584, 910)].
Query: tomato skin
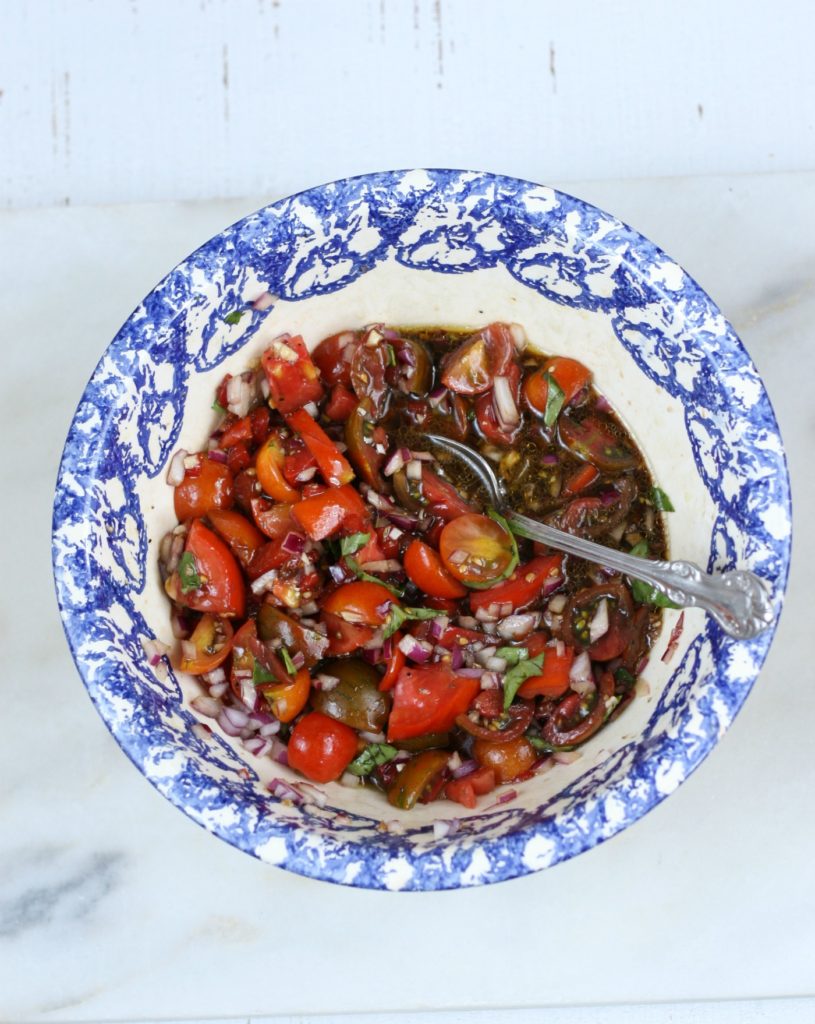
[(242, 536), (334, 467), (488, 422), (288, 700), (581, 479), (554, 678), (360, 603), (345, 637), (423, 565), (224, 592), (208, 630), (508, 760), (210, 486), (324, 514), (321, 748), (292, 384), (395, 665), (421, 778), (519, 589), (477, 550), (428, 698), (471, 368), (274, 520), (442, 498), (569, 375), (593, 440), (461, 792), (482, 781), (341, 404), (330, 357), (269, 470)]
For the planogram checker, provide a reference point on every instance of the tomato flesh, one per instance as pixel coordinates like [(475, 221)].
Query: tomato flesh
[(220, 587), (207, 486), (424, 566), (293, 378), (523, 586), (476, 550), (428, 699)]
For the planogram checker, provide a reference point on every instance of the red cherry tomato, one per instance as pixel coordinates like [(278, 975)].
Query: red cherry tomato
[(471, 368), (293, 378), (240, 534), (207, 486), (360, 603), (523, 587), (428, 698), (442, 498), (569, 375), (325, 513), (553, 680), (345, 637), (333, 357), (334, 467), (321, 748), (424, 567), (341, 404), (210, 580)]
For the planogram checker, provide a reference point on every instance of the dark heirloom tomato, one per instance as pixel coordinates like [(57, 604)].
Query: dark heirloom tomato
[(508, 758), (595, 516), (412, 371), (593, 440), (416, 777), (471, 368), (208, 485), (581, 609), (274, 625), (368, 370), (320, 748), (356, 700), (364, 441), (565, 729)]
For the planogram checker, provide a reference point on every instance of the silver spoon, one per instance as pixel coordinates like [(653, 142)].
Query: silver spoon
[(738, 600)]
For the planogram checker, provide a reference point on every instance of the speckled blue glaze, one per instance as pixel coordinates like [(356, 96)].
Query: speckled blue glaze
[(449, 222)]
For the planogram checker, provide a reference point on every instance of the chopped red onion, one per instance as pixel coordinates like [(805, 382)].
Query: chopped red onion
[(217, 675), (387, 649), (469, 673), (484, 654), (305, 475), (566, 756), (413, 470), (264, 582), (294, 543), (552, 583), (438, 626), (264, 301), (373, 657), (372, 737), (395, 462), (207, 706), (496, 665), (239, 394), (673, 642), (467, 622), (600, 622), (417, 650), (257, 745), (403, 520), (456, 658), (382, 565), (557, 604), (609, 497), (311, 409), (504, 798), (465, 768), (602, 404), (383, 609), (514, 627), (505, 408), (350, 780), (325, 682), (283, 791), (422, 456), (217, 690), (518, 336), (442, 829), (581, 678), (226, 723), (642, 688), (298, 659), (176, 470), (549, 459), (279, 752), (491, 681), (189, 652), (642, 664), (216, 455), (435, 398), (376, 641), (338, 574)]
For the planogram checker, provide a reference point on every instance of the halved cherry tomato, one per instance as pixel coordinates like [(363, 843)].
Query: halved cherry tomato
[(299, 460), (275, 625), (321, 748), (488, 422), (594, 440), (360, 603), (595, 516), (243, 661), (569, 375), (477, 550), (333, 465), (523, 586), (395, 665), (242, 536), (580, 611), (341, 404), (442, 498), (428, 698), (458, 636), (416, 777), (553, 680), (221, 588), (288, 700), (273, 520), (507, 759), (461, 792), (206, 487), (333, 357), (581, 479), (424, 567), (324, 514), (345, 637), (236, 433), (292, 376), (471, 368), (269, 469), (212, 638), (238, 458), (363, 439), (368, 369)]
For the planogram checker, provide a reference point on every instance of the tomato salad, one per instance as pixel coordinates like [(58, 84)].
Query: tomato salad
[(351, 606)]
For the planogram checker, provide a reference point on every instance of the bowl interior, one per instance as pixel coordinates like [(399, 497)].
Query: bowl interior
[(422, 248)]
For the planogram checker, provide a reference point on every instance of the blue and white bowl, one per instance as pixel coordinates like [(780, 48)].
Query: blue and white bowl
[(420, 247)]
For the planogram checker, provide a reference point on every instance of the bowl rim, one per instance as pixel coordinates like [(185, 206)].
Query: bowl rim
[(504, 853)]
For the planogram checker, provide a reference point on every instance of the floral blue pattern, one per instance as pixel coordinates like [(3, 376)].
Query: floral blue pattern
[(318, 242)]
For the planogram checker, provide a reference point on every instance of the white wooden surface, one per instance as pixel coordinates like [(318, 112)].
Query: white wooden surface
[(129, 100)]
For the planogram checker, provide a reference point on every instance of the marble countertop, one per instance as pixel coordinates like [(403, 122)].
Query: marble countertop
[(114, 906)]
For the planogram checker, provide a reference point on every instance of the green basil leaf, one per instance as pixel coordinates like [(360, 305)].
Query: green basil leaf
[(374, 755), (512, 655), (217, 407), (261, 675), (516, 676), (286, 657), (398, 616), (661, 501), (360, 573), (643, 592), (188, 573), (554, 400), (234, 316), (348, 545)]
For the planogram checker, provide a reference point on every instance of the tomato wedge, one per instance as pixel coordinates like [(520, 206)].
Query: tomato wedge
[(424, 566), (415, 779), (428, 698), (553, 680), (321, 748), (395, 665), (471, 368), (477, 550), (274, 520), (341, 404), (594, 441), (208, 578), (288, 700), (569, 375), (333, 357), (332, 464), (242, 536), (442, 498), (360, 603), (292, 376), (269, 468), (523, 586), (208, 485), (212, 638), (324, 514), (345, 637), (485, 412)]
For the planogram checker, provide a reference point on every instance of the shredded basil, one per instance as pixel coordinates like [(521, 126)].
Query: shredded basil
[(515, 677), (391, 355), (374, 755), (644, 592), (399, 615), (188, 573), (624, 677), (261, 675), (513, 562), (543, 746), (512, 655), (554, 400), (217, 407), (286, 657), (661, 501), (234, 316), (348, 545), (360, 573)]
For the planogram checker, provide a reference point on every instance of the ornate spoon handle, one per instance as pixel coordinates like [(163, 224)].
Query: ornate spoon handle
[(739, 600)]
